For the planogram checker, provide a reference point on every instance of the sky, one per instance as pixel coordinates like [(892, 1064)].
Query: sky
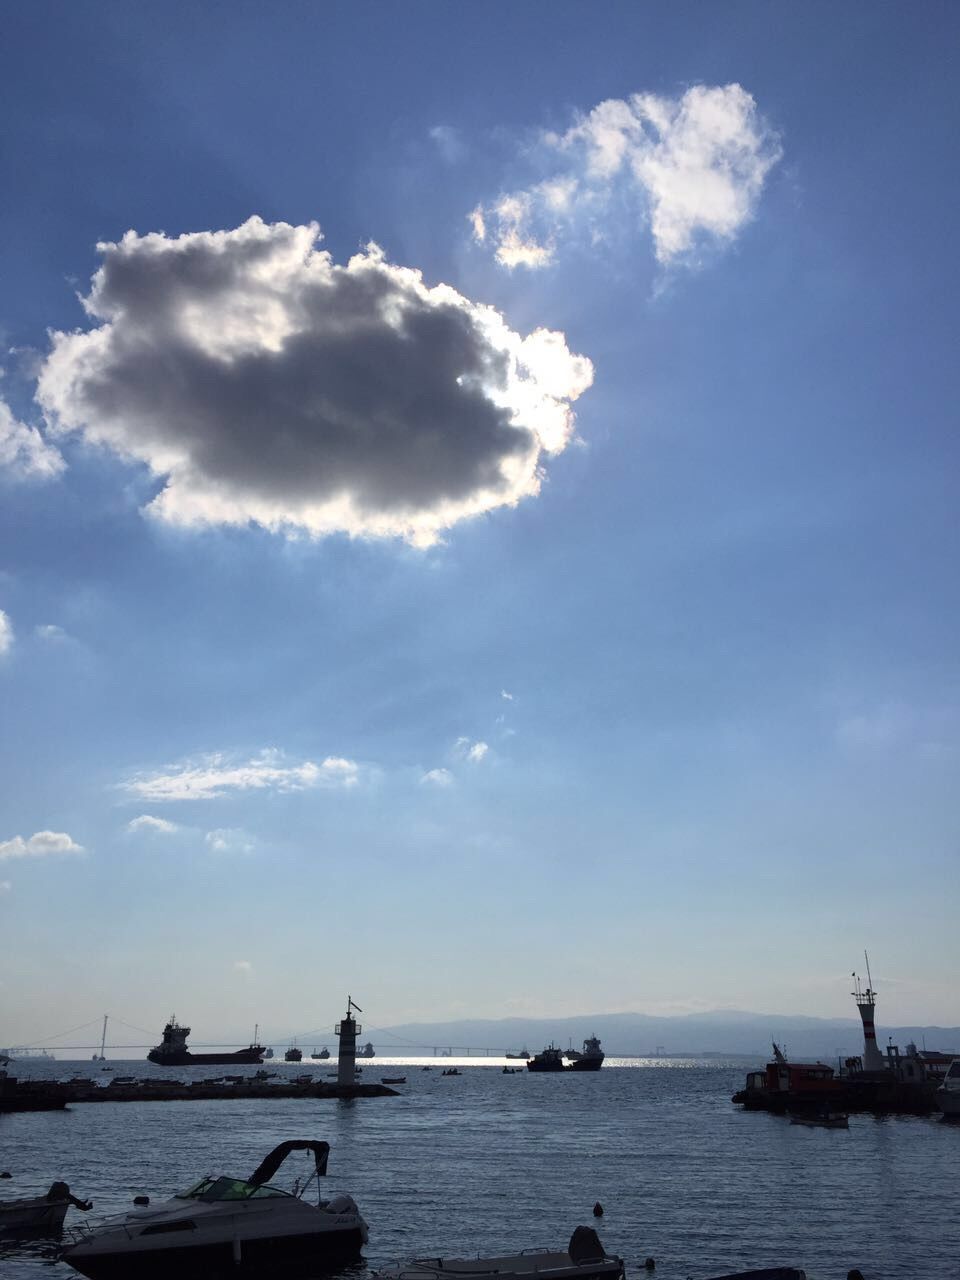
[(478, 511)]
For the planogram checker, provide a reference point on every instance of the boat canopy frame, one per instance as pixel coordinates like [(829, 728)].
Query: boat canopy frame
[(268, 1167)]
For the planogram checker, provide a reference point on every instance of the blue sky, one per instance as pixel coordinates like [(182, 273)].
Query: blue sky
[(472, 671)]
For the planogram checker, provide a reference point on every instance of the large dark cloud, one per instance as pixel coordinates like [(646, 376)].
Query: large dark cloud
[(264, 382)]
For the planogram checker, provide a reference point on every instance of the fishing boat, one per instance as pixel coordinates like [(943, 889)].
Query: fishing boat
[(33, 1216), (367, 1051), (584, 1259), (172, 1051), (393, 1079), (223, 1226), (293, 1054)]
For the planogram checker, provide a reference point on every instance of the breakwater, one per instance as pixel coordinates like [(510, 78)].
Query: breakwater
[(52, 1095)]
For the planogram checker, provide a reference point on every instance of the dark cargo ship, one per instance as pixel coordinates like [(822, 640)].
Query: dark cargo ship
[(172, 1051)]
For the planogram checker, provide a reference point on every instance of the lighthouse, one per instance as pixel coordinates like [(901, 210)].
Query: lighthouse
[(866, 999), (347, 1030)]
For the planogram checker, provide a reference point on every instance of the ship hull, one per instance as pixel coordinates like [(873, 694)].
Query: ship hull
[(586, 1064), (252, 1056), (216, 1261)]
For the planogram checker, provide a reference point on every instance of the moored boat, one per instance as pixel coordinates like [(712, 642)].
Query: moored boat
[(795, 1086), (948, 1095), (821, 1119), (223, 1226), (32, 1216), (584, 1259)]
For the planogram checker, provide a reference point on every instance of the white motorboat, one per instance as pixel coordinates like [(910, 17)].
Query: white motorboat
[(38, 1215), (225, 1227), (584, 1259), (948, 1095)]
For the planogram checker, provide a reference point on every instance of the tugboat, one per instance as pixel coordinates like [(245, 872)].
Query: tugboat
[(367, 1051), (172, 1051), (551, 1059), (293, 1054), (794, 1086)]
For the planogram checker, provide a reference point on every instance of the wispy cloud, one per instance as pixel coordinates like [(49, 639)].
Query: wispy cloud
[(229, 840), (5, 886), (212, 776), (40, 845), (894, 725), (6, 634), (507, 696), (243, 966), (472, 751), (24, 453), (449, 142), (693, 166), (50, 632), (146, 822)]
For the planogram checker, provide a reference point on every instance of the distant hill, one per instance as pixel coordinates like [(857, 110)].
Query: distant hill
[(722, 1031)]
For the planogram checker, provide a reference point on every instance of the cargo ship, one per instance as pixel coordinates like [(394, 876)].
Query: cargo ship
[(172, 1051)]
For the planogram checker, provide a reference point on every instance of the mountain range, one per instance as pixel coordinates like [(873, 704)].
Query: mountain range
[(720, 1032)]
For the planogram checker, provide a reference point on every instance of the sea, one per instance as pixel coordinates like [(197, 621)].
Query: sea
[(486, 1163)]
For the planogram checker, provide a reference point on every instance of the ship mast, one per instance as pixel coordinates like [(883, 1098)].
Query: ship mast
[(103, 1038)]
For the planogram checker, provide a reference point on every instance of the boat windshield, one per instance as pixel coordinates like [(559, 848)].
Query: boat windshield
[(211, 1189)]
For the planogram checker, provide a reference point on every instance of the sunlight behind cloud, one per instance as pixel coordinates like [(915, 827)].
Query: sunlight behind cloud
[(261, 382)]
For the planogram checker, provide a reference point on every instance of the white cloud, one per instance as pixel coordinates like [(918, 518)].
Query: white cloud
[(5, 886), (23, 451), (243, 966), (228, 840), (39, 845), (437, 778), (212, 776), (696, 164), (6, 634), (51, 632), (146, 822), (264, 383), (505, 695), (473, 751)]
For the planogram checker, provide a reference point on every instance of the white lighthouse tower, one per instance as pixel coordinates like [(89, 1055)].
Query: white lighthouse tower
[(347, 1029), (866, 999)]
